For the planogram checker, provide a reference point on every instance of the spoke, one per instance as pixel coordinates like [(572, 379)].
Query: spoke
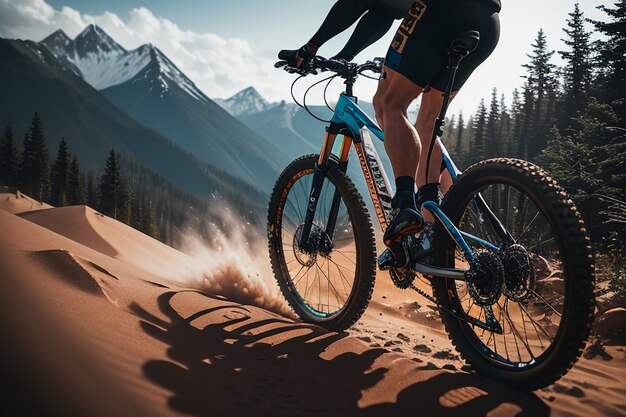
[(540, 243), (519, 354), (502, 312), (319, 286), (514, 329), (524, 325), (328, 270), (519, 238), (536, 324), (328, 279), (341, 274), (306, 286), (346, 257), (546, 303), (300, 270)]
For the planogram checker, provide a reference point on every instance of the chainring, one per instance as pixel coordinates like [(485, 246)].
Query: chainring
[(402, 277)]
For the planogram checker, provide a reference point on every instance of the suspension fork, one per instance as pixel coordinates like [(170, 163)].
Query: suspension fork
[(319, 176), (334, 208)]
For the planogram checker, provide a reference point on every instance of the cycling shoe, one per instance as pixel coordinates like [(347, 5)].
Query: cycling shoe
[(407, 222)]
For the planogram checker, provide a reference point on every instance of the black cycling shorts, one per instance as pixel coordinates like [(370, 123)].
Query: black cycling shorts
[(418, 50)]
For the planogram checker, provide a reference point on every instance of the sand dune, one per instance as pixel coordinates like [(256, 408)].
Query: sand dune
[(97, 325), (110, 237), (20, 203)]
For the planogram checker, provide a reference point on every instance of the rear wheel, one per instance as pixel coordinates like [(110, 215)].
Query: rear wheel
[(540, 289), (331, 285)]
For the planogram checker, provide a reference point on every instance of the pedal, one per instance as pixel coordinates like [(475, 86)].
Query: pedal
[(397, 255), (410, 249), (386, 260), (421, 246)]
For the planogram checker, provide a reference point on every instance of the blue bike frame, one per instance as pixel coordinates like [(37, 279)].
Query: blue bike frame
[(354, 124)]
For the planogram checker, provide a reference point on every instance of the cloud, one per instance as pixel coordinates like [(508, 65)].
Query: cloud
[(219, 66)]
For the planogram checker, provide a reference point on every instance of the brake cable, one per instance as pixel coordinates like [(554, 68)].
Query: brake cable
[(307, 92), (325, 89), (293, 84)]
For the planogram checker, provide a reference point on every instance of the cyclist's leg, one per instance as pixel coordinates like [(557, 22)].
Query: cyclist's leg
[(341, 16), (429, 110), (430, 107), (371, 27), (475, 16), (395, 94), (402, 143)]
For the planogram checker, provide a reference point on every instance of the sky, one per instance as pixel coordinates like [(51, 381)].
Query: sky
[(227, 45)]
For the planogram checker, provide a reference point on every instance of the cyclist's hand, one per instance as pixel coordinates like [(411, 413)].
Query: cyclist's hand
[(296, 58), (295, 65)]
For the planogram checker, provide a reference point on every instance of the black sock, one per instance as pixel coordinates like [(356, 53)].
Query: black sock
[(405, 193), (428, 192)]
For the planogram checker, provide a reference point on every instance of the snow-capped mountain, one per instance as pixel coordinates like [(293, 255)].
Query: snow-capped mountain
[(150, 88), (247, 101), (103, 63)]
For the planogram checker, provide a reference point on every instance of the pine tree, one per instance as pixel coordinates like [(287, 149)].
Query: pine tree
[(578, 71), (93, 195), (114, 193), (516, 126), (590, 162), (492, 137), (612, 60), (504, 130), (9, 159), (137, 210), (477, 148), (75, 185), (60, 176), (35, 166), (459, 135), (539, 95), (148, 224)]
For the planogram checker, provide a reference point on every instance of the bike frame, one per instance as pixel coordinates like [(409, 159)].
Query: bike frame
[(351, 122)]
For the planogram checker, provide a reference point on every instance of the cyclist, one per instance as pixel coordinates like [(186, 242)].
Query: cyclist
[(414, 65)]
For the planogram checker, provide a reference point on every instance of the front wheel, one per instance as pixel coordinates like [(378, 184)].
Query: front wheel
[(539, 285), (330, 281)]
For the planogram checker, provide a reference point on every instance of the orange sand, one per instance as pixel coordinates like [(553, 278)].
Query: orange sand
[(94, 323)]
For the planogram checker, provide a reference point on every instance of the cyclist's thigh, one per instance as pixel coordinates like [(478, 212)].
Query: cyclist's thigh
[(471, 16), (418, 48)]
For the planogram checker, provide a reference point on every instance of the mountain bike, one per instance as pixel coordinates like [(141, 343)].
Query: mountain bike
[(511, 268)]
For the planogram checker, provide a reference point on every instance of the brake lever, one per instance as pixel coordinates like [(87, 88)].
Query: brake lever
[(280, 64)]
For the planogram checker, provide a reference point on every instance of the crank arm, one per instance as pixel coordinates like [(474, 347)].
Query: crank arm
[(450, 273)]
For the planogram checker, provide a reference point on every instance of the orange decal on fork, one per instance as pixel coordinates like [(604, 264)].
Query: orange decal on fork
[(369, 179), (327, 148), (345, 149)]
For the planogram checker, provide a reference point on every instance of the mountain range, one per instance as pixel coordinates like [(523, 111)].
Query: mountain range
[(34, 80), (150, 88)]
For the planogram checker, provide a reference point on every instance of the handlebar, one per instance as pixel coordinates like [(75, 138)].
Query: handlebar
[(342, 68)]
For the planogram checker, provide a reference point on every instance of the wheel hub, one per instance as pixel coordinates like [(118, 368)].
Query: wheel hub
[(317, 244)]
